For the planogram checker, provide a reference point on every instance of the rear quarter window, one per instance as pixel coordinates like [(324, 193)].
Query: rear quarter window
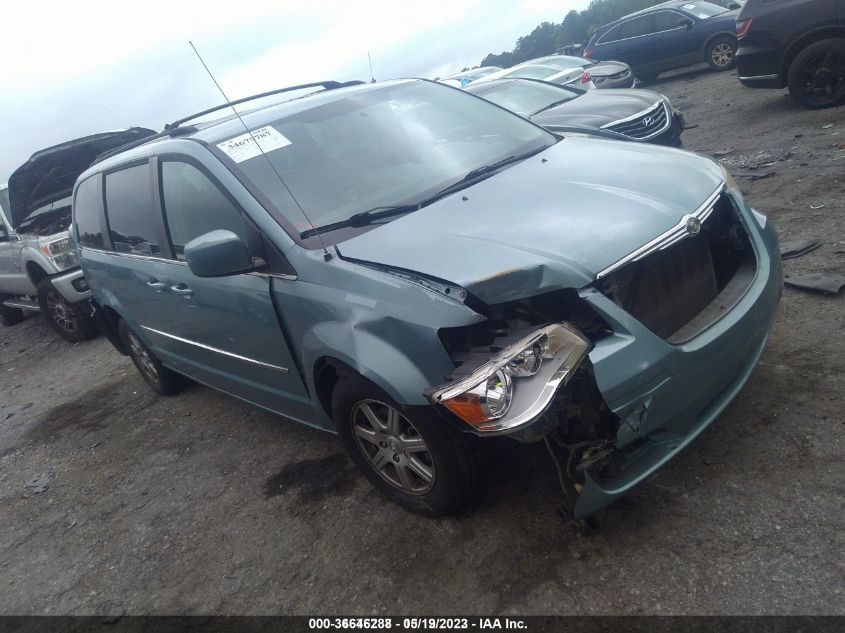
[(130, 212), (87, 208)]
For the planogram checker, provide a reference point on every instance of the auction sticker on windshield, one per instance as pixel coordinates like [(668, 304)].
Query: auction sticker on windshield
[(265, 139)]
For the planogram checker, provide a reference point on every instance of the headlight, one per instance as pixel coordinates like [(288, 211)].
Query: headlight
[(61, 252), (516, 385)]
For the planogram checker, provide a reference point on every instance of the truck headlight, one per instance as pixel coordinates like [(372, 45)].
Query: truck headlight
[(61, 252), (516, 385)]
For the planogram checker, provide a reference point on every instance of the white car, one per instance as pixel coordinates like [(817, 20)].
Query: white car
[(572, 77)]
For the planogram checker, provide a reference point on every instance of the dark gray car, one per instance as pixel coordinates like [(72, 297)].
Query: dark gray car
[(637, 115), (605, 74)]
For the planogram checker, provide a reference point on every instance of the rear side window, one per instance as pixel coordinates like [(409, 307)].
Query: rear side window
[(131, 213), (667, 20), (611, 36), (194, 205), (86, 213), (636, 27)]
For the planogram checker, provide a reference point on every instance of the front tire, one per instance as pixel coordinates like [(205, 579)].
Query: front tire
[(160, 379), (409, 453), (816, 77), (67, 319), (721, 54)]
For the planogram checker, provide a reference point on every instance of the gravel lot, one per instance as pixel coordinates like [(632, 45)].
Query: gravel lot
[(203, 504)]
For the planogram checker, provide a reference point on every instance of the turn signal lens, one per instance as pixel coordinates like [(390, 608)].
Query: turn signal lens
[(488, 400), (587, 53)]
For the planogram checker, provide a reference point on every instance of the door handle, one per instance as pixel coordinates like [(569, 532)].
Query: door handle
[(156, 285), (182, 289)]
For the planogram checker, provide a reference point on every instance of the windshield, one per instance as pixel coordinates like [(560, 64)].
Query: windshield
[(533, 72), (393, 145), (526, 97), (704, 10)]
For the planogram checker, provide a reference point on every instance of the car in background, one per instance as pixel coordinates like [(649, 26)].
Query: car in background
[(668, 36), (577, 76), (468, 76), (604, 74), (636, 115), (418, 270), (795, 44), (39, 271)]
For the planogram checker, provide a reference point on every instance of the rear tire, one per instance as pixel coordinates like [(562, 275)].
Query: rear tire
[(67, 319), (721, 54), (409, 453), (160, 379), (816, 77)]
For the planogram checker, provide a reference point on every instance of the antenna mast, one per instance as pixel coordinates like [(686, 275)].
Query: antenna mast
[(372, 76), (326, 255)]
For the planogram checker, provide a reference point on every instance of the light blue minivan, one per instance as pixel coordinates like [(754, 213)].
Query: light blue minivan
[(416, 269)]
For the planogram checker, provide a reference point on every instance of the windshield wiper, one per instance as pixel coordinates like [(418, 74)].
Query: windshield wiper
[(364, 218), (361, 219)]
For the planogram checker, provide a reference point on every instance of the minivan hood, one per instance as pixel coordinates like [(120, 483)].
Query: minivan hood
[(596, 108), (49, 174), (552, 221)]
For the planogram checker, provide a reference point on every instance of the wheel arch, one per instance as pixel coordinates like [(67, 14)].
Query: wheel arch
[(35, 272), (819, 33), (715, 36), (375, 359)]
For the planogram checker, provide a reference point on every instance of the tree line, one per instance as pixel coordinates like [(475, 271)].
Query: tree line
[(576, 28)]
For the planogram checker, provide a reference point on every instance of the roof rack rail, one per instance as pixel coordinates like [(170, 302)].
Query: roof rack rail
[(327, 85), (143, 141)]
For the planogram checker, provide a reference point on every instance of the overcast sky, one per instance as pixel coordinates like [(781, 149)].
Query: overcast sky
[(80, 67)]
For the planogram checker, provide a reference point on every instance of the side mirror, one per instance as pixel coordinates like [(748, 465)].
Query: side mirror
[(218, 254), (686, 23), (4, 233)]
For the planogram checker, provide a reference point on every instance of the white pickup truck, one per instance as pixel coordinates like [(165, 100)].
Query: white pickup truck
[(38, 266)]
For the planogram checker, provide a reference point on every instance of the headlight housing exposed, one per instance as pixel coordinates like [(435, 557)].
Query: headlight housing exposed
[(517, 384), (60, 251)]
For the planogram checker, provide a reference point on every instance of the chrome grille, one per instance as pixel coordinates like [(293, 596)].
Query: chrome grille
[(620, 75), (644, 124)]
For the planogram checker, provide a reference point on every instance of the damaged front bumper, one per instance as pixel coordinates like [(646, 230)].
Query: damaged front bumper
[(72, 285), (665, 394)]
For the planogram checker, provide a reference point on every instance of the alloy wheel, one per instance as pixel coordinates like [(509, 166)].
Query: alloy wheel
[(61, 312), (823, 74), (393, 446), (722, 55), (145, 361)]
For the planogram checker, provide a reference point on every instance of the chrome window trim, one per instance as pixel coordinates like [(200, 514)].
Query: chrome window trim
[(150, 258), (180, 262), (284, 276), (667, 238), (260, 363), (642, 113)]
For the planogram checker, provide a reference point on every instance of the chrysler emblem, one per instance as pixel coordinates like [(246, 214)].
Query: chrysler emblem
[(693, 226), (648, 121)]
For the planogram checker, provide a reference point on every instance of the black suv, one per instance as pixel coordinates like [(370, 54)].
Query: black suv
[(794, 43)]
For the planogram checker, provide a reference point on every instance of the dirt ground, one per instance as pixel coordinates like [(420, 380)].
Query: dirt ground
[(203, 504)]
